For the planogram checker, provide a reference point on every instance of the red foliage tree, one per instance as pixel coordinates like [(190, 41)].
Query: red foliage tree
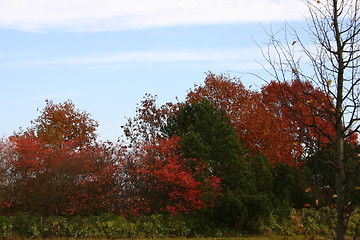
[(258, 128), (262, 120), (57, 167), (306, 108), (158, 180), (44, 180)]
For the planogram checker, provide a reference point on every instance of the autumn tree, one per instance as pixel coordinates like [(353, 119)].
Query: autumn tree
[(258, 127), (329, 61), (310, 105), (57, 167), (61, 123), (158, 179), (149, 119)]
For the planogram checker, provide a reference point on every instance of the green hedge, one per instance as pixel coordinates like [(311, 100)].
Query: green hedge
[(304, 222), (106, 226)]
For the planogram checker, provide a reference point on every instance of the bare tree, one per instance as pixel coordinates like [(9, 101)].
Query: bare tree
[(328, 55)]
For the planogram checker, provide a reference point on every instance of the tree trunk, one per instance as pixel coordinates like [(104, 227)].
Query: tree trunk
[(340, 190), (339, 139)]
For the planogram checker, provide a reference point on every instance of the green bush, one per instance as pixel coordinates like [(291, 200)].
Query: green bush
[(113, 226), (354, 224), (304, 222), (26, 225), (278, 225), (6, 226), (54, 226), (106, 226), (178, 227), (322, 222), (318, 221)]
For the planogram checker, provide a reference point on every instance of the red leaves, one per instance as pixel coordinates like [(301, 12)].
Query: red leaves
[(163, 182), (58, 181), (56, 167)]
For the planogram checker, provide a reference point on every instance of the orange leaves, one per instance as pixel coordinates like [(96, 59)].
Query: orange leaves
[(309, 205), (61, 122), (270, 121), (306, 108), (259, 127)]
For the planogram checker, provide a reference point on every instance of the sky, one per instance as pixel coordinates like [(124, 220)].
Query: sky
[(105, 55)]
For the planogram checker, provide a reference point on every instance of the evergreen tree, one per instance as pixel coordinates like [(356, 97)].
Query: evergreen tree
[(207, 134)]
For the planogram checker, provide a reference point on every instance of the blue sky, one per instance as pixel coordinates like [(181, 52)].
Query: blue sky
[(105, 55)]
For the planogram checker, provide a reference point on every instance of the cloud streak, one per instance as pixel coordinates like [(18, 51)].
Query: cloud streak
[(114, 15), (221, 56)]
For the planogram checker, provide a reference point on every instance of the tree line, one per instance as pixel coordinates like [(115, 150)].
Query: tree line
[(233, 156)]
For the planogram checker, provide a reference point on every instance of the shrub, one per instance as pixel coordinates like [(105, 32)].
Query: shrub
[(6, 226), (26, 225)]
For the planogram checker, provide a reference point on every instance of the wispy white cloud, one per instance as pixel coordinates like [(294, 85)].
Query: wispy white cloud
[(109, 15), (221, 57)]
